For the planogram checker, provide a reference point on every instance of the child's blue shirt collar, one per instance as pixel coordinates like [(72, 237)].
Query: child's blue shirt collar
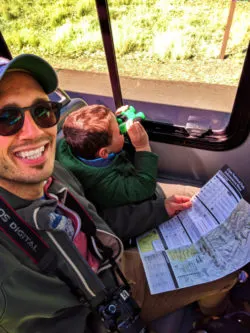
[(99, 162)]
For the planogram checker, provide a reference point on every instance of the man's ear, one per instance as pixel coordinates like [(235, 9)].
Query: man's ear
[(103, 153)]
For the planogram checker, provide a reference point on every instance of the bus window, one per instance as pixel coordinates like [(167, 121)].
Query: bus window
[(168, 62), (166, 55)]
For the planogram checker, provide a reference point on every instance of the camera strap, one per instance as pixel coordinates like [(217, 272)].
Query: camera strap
[(37, 249), (89, 228), (83, 282), (118, 310), (20, 233)]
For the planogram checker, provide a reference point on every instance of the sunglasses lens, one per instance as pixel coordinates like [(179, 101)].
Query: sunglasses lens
[(11, 121), (46, 114)]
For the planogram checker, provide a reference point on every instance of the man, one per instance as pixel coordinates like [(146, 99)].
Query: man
[(46, 283)]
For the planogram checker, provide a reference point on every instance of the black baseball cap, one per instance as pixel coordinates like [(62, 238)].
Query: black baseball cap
[(38, 68)]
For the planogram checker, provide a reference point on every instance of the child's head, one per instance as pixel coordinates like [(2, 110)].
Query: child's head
[(92, 132)]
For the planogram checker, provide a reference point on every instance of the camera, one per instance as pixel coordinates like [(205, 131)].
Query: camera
[(120, 313)]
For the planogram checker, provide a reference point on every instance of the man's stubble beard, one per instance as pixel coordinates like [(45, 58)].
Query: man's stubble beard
[(26, 180), (14, 178)]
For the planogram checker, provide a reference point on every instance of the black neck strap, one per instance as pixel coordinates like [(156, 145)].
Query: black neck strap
[(31, 243), (46, 258), (88, 227), (21, 233)]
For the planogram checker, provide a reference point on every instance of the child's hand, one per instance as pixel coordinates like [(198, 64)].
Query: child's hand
[(177, 203), (138, 137)]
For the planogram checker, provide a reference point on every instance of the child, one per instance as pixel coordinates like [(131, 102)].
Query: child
[(92, 150)]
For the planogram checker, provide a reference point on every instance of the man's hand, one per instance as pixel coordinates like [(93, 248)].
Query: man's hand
[(138, 137), (177, 203)]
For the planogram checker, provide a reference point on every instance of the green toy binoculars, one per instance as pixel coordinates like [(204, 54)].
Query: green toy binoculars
[(125, 116)]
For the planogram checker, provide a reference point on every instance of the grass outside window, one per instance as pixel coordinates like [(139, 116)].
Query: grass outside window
[(169, 40)]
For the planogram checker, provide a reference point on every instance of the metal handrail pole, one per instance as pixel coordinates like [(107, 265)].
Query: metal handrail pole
[(107, 37)]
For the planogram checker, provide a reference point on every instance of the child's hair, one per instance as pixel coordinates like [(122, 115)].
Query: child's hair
[(88, 129)]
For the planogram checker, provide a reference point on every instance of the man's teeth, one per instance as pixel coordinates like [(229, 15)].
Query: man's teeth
[(31, 154)]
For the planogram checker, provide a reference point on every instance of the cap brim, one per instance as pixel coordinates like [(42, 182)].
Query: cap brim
[(37, 67)]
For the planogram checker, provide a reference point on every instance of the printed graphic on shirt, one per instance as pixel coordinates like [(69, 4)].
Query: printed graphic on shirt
[(61, 222)]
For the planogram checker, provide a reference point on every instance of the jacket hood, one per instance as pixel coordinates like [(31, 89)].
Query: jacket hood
[(33, 212)]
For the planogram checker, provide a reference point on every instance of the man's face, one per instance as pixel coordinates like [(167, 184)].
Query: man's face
[(26, 157)]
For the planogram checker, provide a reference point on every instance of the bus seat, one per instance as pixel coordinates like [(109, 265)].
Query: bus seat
[(179, 321), (73, 105), (171, 188)]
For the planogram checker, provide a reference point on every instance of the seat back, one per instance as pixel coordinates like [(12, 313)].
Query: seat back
[(73, 105)]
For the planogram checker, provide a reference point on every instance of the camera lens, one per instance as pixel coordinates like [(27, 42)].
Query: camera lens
[(111, 309)]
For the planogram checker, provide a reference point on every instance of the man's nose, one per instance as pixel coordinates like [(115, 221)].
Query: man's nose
[(30, 129)]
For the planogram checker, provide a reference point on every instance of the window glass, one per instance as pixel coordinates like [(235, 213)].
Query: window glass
[(172, 50), (67, 34), (167, 52)]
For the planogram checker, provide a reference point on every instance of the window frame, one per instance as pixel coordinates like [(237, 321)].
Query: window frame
[(233, 135), (236, 131)]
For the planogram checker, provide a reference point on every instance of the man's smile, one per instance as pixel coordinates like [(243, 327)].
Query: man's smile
[(31, 154)]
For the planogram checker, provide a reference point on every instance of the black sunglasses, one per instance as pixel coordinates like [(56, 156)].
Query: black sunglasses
[(45, 114)]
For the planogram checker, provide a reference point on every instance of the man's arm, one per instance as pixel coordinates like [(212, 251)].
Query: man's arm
[(31, 301), (132, 220), (126, 221)]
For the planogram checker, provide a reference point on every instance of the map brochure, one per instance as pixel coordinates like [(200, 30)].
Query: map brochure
[(203, 243)]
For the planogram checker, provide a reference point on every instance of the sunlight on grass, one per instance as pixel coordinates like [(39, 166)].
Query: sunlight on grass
[(239, 29), (84, 8), (147, 34), (170, 44), (63, 32), (79, 37), (163, 5)]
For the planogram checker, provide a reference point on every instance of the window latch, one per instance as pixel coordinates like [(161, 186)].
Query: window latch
[(198, 127)]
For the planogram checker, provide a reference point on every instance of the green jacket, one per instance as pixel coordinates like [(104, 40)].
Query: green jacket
[(32, 301), (119, 183)]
